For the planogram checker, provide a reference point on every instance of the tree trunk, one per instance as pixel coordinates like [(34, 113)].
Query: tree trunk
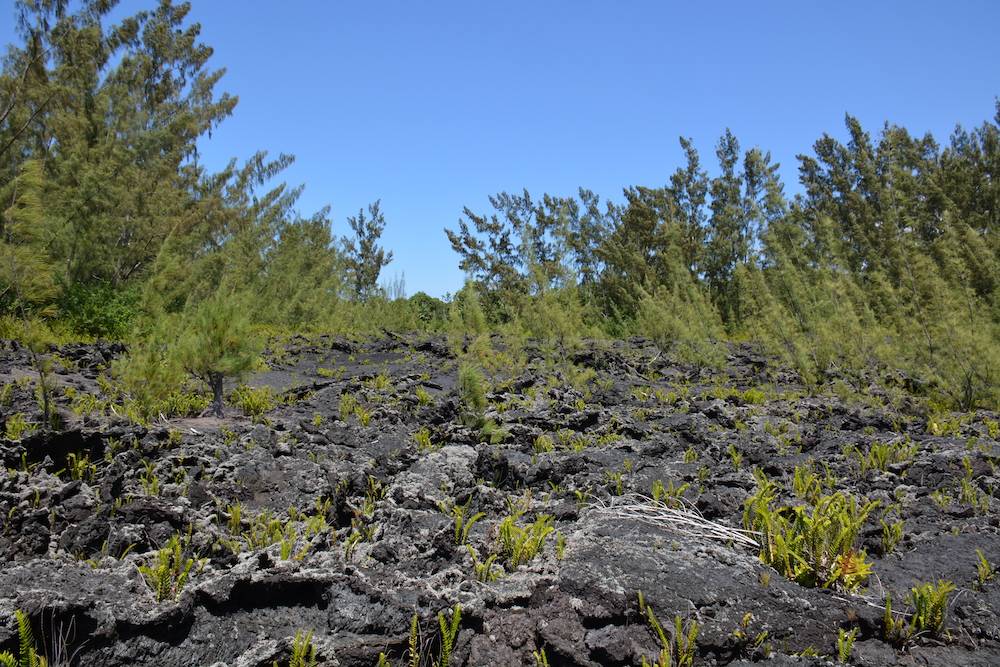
[(215, 380)]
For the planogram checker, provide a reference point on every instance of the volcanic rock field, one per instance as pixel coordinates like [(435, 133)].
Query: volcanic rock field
[(601, 497)]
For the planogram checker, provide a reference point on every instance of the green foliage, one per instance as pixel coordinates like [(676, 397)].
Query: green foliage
[(520, 544), (303, 651), (930, 603), (670, 495), (683, 322), (253, 401), (472, 393), (28, 655), (169, 571), (463, 523), (813, 546), (348, 404), (985, 570), (677, 648), (448, 633), (17, 426), (930, 606), (364, 257), (422, 438), (100, 310), (216, 343), (483, 570), (880, 455), (888, 259), (845, 644), (468, 332), (892, 535)]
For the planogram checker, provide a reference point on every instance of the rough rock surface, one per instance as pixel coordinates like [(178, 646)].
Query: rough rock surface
[(347, 528)]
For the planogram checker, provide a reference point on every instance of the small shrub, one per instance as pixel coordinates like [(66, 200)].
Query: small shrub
[(543, 443), (100, 310), (930, 603), (463, 523), (483, 570), (363, 414), (472, 393), (424, 397), (735, 456), (880, 455), (671, 495), (892, 535), (493, 433)]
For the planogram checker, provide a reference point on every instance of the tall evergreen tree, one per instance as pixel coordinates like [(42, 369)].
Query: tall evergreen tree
[(365, 258), (689, 191)]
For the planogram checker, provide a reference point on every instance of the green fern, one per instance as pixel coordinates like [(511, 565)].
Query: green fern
[(449, 630), (519, 544), (415, 641), (27, 654), (169, 571)]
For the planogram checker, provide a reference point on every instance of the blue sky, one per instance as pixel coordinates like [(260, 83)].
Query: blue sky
[(432, 106)]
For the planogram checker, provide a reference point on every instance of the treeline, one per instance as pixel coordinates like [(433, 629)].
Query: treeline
[(889, 259), (112, 227), (109, 217)]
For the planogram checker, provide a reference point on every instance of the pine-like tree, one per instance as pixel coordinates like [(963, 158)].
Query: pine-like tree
[(217, 342), (365, 258)]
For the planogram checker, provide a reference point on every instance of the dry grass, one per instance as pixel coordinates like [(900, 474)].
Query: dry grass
[(686, 521)]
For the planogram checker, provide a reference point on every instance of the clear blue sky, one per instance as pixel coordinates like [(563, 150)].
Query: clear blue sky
[(434, 105)]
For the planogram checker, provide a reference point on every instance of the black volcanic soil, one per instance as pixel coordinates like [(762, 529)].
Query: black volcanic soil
[(71, 549)]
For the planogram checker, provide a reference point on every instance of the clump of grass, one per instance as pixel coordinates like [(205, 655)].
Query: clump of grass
[(930, 603), (448, 631), (463, 521), (880, 455), (892, 535), (254, 402), (670, 495), (422, 438), (347, 405), (493, 433), (845, 644), (483, 570), (544, 443), (985, 570), (363, 414), (424, 397)]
